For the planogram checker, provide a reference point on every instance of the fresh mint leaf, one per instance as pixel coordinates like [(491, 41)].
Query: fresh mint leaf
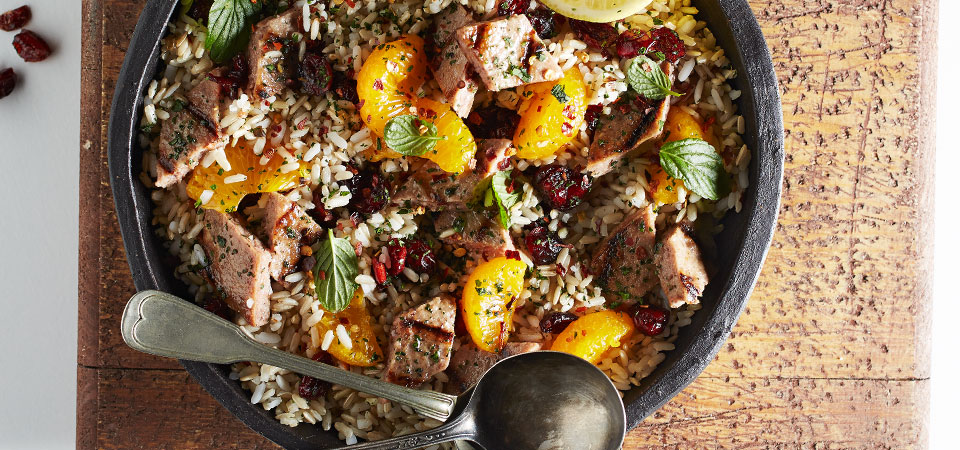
[(560, 94), (228, 27), (503, 196), (647, 78), (403, 135), (335, 272), (696, 163)]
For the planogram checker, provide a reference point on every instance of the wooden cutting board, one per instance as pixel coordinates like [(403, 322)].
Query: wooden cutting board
[(833, 350)]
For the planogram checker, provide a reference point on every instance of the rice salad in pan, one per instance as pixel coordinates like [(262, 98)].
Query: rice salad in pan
[(413, 190)]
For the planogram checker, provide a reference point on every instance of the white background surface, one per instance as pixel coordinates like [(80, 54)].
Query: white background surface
[(39, 146)]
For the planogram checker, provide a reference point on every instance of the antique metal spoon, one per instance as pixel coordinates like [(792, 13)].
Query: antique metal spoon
[(540, 400)]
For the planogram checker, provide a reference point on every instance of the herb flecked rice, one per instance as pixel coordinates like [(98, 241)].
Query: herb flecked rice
[(325, 135)]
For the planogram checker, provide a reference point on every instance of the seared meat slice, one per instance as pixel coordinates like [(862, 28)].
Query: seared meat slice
[(267, 54), (285, 227), (239, 265), (429, 186), (206, 98), (184, 139), (469, 363), (680, 267), (420, 342), (623, 264), (632, 121), (506, 52), (453, 73), (474, 232)]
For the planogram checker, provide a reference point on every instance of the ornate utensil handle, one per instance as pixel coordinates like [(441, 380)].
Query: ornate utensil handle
[(165, 325)]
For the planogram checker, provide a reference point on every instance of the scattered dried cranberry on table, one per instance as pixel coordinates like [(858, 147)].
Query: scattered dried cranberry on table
[(8, 81), (563, 187), (15, 18), (30, 46), (650, 320)]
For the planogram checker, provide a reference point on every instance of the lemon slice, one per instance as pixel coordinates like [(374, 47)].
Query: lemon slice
[(597, 10)]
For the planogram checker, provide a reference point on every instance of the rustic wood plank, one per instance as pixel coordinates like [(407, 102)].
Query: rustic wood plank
[(833, 349)]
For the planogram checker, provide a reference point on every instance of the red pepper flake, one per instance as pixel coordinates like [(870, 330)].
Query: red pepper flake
[(568, 112), (268, 153), (277, 45), (561, 270), (321, 274), (581, 309), (566, 129), (512, 254), (358, 248), (377, 84), (427, 113), (302, 124), (379, 272), (708, 123), (350, 3)]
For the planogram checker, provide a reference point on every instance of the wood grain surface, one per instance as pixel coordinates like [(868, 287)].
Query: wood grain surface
[(833, 348)]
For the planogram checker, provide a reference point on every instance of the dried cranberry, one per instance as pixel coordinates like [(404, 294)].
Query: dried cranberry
[(493, 122), (369, 190), (379, 272), (599, 36), (556, 321), (420, 256), (507, 7), (200, 10), (216, 305), (564, 188), (546, 22), (511, 254), (312, 388), (320, 214), (544, 245), (398, 256), (8, 81), (659, 42), (651, 320), (15, 18), (593, 116), (345, 87), (30, 47), (316, 74)]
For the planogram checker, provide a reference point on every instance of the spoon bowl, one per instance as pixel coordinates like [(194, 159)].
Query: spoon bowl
[(533, 401)]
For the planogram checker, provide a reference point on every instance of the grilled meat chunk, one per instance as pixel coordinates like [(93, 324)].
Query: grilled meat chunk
[(506, 52), (427, 185), (284, 228), (184, 139), (623, 263), (207, 99), (632, 121), (420, 342), (474, 232), (450, 67), (680, 267), (469, 363), (239, 266), (271, 55)]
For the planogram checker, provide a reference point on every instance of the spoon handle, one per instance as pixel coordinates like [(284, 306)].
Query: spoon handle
[(460, 428), (165, 325)]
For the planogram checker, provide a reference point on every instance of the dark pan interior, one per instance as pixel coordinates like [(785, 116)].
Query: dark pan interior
[(741, 247)]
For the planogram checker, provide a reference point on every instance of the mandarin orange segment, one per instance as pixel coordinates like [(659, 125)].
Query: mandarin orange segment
[(592, 335), (550, 115), (454, 153), (364, 350), (389, 79), (488, 301), (682, 125), (246, 176), (663, 187)]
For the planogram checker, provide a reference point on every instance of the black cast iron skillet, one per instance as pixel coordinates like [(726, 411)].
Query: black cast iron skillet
[(741, 247)]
